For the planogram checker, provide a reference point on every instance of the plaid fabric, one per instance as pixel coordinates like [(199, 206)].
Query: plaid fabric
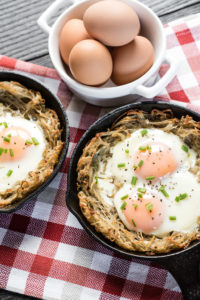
[(44, 251)]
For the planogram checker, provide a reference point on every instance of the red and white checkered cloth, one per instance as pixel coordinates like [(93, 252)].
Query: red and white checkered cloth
[(44, 251)]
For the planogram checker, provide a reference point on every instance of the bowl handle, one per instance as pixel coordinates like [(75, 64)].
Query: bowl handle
[(152, 91), (49, 12)]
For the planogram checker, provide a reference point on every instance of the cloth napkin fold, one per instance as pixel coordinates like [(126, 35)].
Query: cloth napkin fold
[(44, 251)]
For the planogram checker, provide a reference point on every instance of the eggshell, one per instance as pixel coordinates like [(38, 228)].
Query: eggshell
[(114, 23), (90, 62), (132, 60), (72, 32)]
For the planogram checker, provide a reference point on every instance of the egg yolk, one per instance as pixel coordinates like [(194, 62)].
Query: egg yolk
[(154, 159), (144, 214), (13, 143)]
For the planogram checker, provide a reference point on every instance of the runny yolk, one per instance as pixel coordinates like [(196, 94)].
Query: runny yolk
[(144, 214), (157, 160), (17, 138)]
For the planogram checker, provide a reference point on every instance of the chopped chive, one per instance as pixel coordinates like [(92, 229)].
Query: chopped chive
[(134, 180), (96, 179), (172, 218), (162, 190), (9, 135), (127, 151), (11, 152), (95, 166), (184, 148), (9, 173), (5, 124), (140, 163), (5, 150), (134, 167), (1, 123), (121, 165), (181, 197), (140, 195), (148, 147), (143, 148), (144, 132), (150, 178), (35, 141), (149, 206), (27, 142), (133, 222), (124, 197), (142, 190), (135, 206), (6, 139), (122, 207), (1, 151)]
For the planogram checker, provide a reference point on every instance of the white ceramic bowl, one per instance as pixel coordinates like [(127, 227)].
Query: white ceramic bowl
[(110, 94)]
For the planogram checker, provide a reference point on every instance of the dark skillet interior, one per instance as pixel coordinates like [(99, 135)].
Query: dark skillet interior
[(101, 125), (52, 102)]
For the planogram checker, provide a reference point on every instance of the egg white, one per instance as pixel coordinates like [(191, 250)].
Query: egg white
[(114, 182), (30, 161)]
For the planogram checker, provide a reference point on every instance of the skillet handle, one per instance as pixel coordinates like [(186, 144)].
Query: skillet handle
[(186, 270)]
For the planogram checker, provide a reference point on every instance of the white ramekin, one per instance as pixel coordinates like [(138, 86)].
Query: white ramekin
[(109, 94)]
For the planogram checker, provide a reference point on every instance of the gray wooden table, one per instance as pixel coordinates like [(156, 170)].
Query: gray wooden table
[(20, 37)]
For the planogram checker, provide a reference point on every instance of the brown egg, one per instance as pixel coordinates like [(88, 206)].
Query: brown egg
[(132, 60), (72, 32), (90, 62), (114, 23)]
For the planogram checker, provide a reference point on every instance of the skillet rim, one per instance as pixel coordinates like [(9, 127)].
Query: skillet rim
[(73, 160), (42, 88)]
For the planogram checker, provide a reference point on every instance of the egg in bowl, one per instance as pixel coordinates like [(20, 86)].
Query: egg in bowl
[(138, 182), (30, 141)]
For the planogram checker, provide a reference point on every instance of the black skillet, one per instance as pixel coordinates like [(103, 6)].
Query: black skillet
[(183, 264), (52, 102)]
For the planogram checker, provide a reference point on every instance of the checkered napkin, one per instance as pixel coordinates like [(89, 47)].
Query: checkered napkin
[(44, 251)]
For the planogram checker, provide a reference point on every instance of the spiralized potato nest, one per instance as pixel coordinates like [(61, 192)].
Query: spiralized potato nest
[(105, 218), (20, 101)]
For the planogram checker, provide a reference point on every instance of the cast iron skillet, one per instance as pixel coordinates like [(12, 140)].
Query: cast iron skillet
[(51, 101), (183, 264)]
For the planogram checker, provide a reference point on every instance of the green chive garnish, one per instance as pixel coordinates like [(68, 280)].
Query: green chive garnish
[(181, 197), (148, 147), (6, 139), (124, 197), (11, 152), (35, 141), (134, 180), (140, 195), (134, 167), (150, 178), (96, 179), (144, 132), (135, 206), (9, 173), (27, 142), (1, 151), (140, 163), (162, 190), (142, 190), (5, 124), (149, 206), (143, 148), (127, 151), (121, 165), (123, 205), (1, 123), (172, 218), (184, 148), (5, 150), (133, 223)]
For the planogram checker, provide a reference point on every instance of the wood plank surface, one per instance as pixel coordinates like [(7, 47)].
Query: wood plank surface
[(21, 37)]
